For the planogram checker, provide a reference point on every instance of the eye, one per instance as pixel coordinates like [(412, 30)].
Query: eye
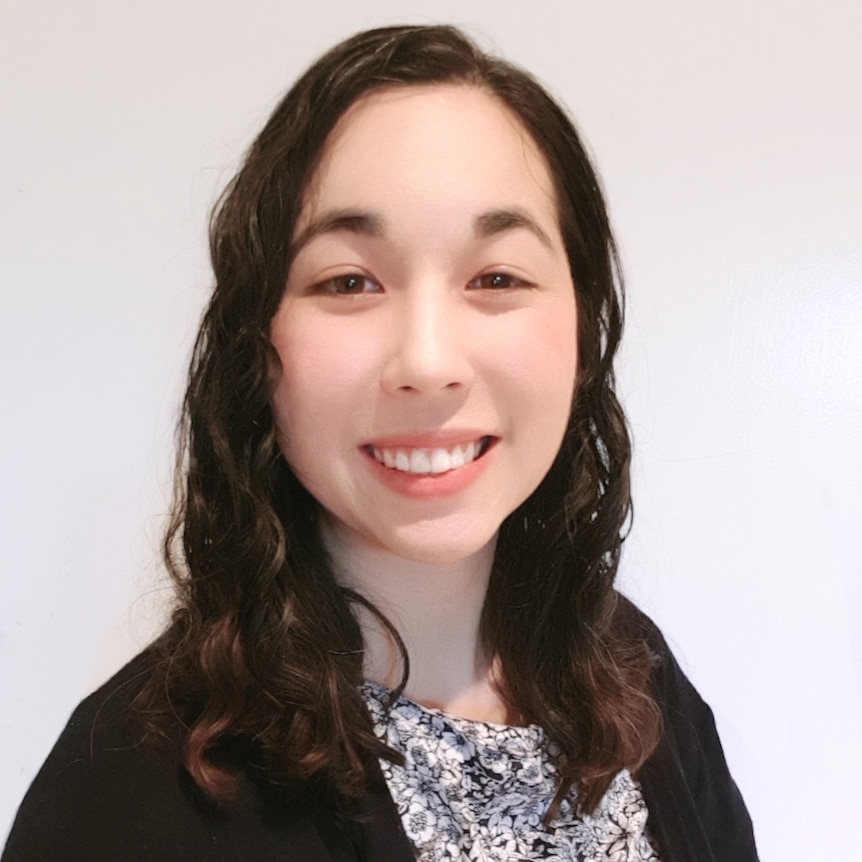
[(349, 284), (497, 281)]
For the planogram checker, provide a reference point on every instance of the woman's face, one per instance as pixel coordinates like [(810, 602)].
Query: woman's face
[(428, 328)]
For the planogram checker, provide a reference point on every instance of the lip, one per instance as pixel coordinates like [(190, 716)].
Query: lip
[(429, 439), (428, 485)]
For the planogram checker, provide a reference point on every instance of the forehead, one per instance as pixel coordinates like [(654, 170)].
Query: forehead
[(452, 145)]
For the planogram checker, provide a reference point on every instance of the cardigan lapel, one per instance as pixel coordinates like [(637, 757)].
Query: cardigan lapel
[(383, 836)]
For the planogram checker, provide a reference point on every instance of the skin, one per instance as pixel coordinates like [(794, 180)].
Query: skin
[(430, 305)]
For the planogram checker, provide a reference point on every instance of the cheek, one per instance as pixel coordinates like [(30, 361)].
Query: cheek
[(543, 359), (555, 388), (323, 365), (303, 406)]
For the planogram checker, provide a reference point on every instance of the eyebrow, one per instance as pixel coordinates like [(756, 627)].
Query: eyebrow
[(501, 220), (331, 221), (486, 225)]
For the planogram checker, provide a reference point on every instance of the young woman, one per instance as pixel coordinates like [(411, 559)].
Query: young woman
[(404, 489)]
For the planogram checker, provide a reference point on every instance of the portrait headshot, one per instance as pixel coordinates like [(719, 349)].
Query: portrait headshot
[(432, 433)]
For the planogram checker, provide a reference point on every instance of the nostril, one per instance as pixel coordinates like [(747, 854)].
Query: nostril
[(410, 387)]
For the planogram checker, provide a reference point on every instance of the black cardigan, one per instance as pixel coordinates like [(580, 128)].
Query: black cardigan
[(103, 797)]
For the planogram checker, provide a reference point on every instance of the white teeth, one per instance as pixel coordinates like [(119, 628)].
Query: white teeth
[(441, 461), (420, 462), (425, 461)]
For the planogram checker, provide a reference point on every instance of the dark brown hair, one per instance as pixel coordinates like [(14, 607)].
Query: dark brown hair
[(263, 648)]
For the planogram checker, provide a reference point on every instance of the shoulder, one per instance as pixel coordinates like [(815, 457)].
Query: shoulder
[(105, 793), (682, 706), (684, 712), (694, 803), (631, 621), (99, 780)]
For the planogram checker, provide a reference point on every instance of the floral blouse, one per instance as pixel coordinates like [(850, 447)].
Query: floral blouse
[(472, 790)]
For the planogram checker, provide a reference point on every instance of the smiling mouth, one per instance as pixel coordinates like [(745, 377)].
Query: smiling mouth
[(430, 461)]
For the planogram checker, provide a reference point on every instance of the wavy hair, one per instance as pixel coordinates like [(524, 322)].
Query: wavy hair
[(264, 655)]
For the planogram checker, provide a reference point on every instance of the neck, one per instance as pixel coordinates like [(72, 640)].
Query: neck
[(436, 609)]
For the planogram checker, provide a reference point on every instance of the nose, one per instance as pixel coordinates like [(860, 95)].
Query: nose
[(429, 347)]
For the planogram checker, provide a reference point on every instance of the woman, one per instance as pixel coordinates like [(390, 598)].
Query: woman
[(405, 482)]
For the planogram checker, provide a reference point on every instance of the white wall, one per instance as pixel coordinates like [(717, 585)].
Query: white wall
[(729, 140)]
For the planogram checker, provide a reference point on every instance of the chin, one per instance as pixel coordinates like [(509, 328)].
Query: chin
[(436, 546)]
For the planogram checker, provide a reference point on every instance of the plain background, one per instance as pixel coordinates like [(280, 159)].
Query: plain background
[(729, 139)]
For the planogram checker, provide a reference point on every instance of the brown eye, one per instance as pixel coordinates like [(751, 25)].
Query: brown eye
[(350, 284), (496, 281)]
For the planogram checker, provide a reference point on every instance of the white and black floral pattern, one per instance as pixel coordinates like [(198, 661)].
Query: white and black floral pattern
[(471, 790)]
